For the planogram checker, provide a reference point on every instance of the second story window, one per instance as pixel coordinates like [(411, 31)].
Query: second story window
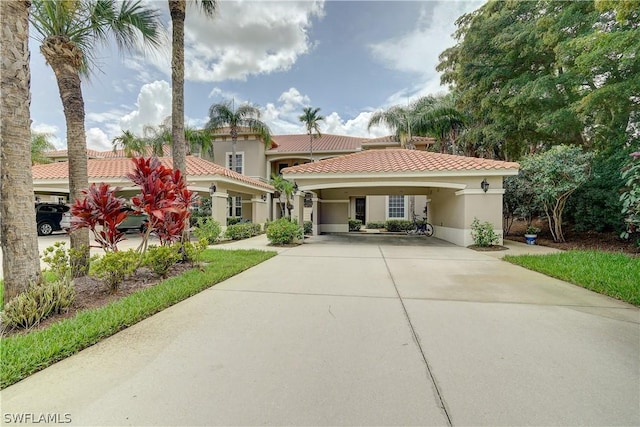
[(239, 162)]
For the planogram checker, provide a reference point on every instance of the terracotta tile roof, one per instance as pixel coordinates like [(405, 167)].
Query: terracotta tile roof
[(119, 167), (392, 138), (327, 142), (398, 160)]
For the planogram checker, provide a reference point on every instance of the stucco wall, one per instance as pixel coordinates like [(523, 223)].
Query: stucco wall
[(254, 155)]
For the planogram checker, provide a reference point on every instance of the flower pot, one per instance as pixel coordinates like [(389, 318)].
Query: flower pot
[(531, 238)]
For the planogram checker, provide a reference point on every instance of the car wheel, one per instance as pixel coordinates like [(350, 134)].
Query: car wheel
[(45, 229)]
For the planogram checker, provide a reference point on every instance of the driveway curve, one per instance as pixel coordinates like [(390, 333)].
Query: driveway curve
[(339, 331)]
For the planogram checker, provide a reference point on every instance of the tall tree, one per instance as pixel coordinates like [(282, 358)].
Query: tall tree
[(40, 144), (311, 120), (69, 32), (177, 9), (246, 116), (398, 119), (19, 241)]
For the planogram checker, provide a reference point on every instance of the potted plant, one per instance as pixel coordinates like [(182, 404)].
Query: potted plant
[(531, 234)]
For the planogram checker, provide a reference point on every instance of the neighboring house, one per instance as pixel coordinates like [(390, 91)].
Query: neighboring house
[(368, 179)]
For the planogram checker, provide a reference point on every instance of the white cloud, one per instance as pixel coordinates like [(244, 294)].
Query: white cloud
[(97, 139), (244, 38), (417, 51), (153, 106), (357, 126), (50, 130)]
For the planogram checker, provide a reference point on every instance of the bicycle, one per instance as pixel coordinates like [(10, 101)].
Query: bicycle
[(421, 227)]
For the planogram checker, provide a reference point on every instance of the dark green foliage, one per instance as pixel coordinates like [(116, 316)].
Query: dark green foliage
[(308, 227), (398, 225), (161, 258), (233, 220), (373, 225), (242, 231), (596, 204), (284, 232), (37, 303), (354, 224)]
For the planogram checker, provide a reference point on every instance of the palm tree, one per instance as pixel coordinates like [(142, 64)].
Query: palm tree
[(246, 116), (439, 117), (131, 144), (177, 9), (68, 32), (399, 120), (39, 146), (199, 140), (19, 241), (285, 188), (311, 120), (157, 137)]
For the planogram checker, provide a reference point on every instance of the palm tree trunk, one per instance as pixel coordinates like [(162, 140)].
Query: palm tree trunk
[(179, 149), (60, 55), (234, 140), (19, 241)]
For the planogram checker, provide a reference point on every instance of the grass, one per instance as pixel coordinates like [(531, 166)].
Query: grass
[(23, 355), (614, 274)]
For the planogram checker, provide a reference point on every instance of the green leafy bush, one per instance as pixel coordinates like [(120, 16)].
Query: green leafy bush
[(194, 251), (373, 225), (233, 220), (161, 258), (242, 231), (37, 303), (284, 232), (354, 224), (482, 233), (57, 257), (208, 229), (398, 225), (113, 267), (308, 227)]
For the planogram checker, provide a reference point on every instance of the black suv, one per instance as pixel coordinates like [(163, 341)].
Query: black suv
[(48, 217)]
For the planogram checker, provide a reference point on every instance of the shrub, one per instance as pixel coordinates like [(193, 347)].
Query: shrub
[(194, 251), (354, 224), (37, 303), (398, 225), (57, 258), (482, 233), (308, 227), (113, 267), (284, 232), (375, 225), (233, 220), (242, 231), (161, 258), (208, 229)]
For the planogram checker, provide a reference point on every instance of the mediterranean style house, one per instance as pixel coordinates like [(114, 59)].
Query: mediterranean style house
[(337, 177)]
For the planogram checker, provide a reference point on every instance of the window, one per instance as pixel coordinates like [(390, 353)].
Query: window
[(234, 206), (396, 207), (282, 166), (239, 162)]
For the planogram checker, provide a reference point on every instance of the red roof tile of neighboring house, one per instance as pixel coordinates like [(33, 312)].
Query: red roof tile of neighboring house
[(398, 160), (327, 142), (392, 138), (120, 167)]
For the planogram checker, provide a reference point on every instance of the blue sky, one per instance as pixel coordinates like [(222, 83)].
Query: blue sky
[(347, 57)]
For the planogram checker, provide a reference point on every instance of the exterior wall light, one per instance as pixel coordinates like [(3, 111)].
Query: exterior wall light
[(295, 187), (263, 197), (484, 185), (212, 189)]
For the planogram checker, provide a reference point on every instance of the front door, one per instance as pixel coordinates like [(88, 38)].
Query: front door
[(361, 210)]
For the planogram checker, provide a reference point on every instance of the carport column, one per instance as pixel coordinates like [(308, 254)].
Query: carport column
[(219, 208), (314, 215), (259, 210), (298, 207)]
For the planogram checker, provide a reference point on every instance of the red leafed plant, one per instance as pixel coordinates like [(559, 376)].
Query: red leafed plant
[(164, 197), (100, 211)]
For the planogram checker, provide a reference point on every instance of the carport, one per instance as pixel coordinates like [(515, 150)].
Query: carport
[(455, 189)]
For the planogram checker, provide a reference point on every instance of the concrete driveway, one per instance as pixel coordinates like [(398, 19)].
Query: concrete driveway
[(360, 332)]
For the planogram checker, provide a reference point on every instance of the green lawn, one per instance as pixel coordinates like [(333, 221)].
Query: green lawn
[(614, 274), (22, 355)]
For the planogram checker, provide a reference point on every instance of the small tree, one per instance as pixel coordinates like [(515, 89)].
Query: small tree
[(555, 174), (519, 200), (285, 188)]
